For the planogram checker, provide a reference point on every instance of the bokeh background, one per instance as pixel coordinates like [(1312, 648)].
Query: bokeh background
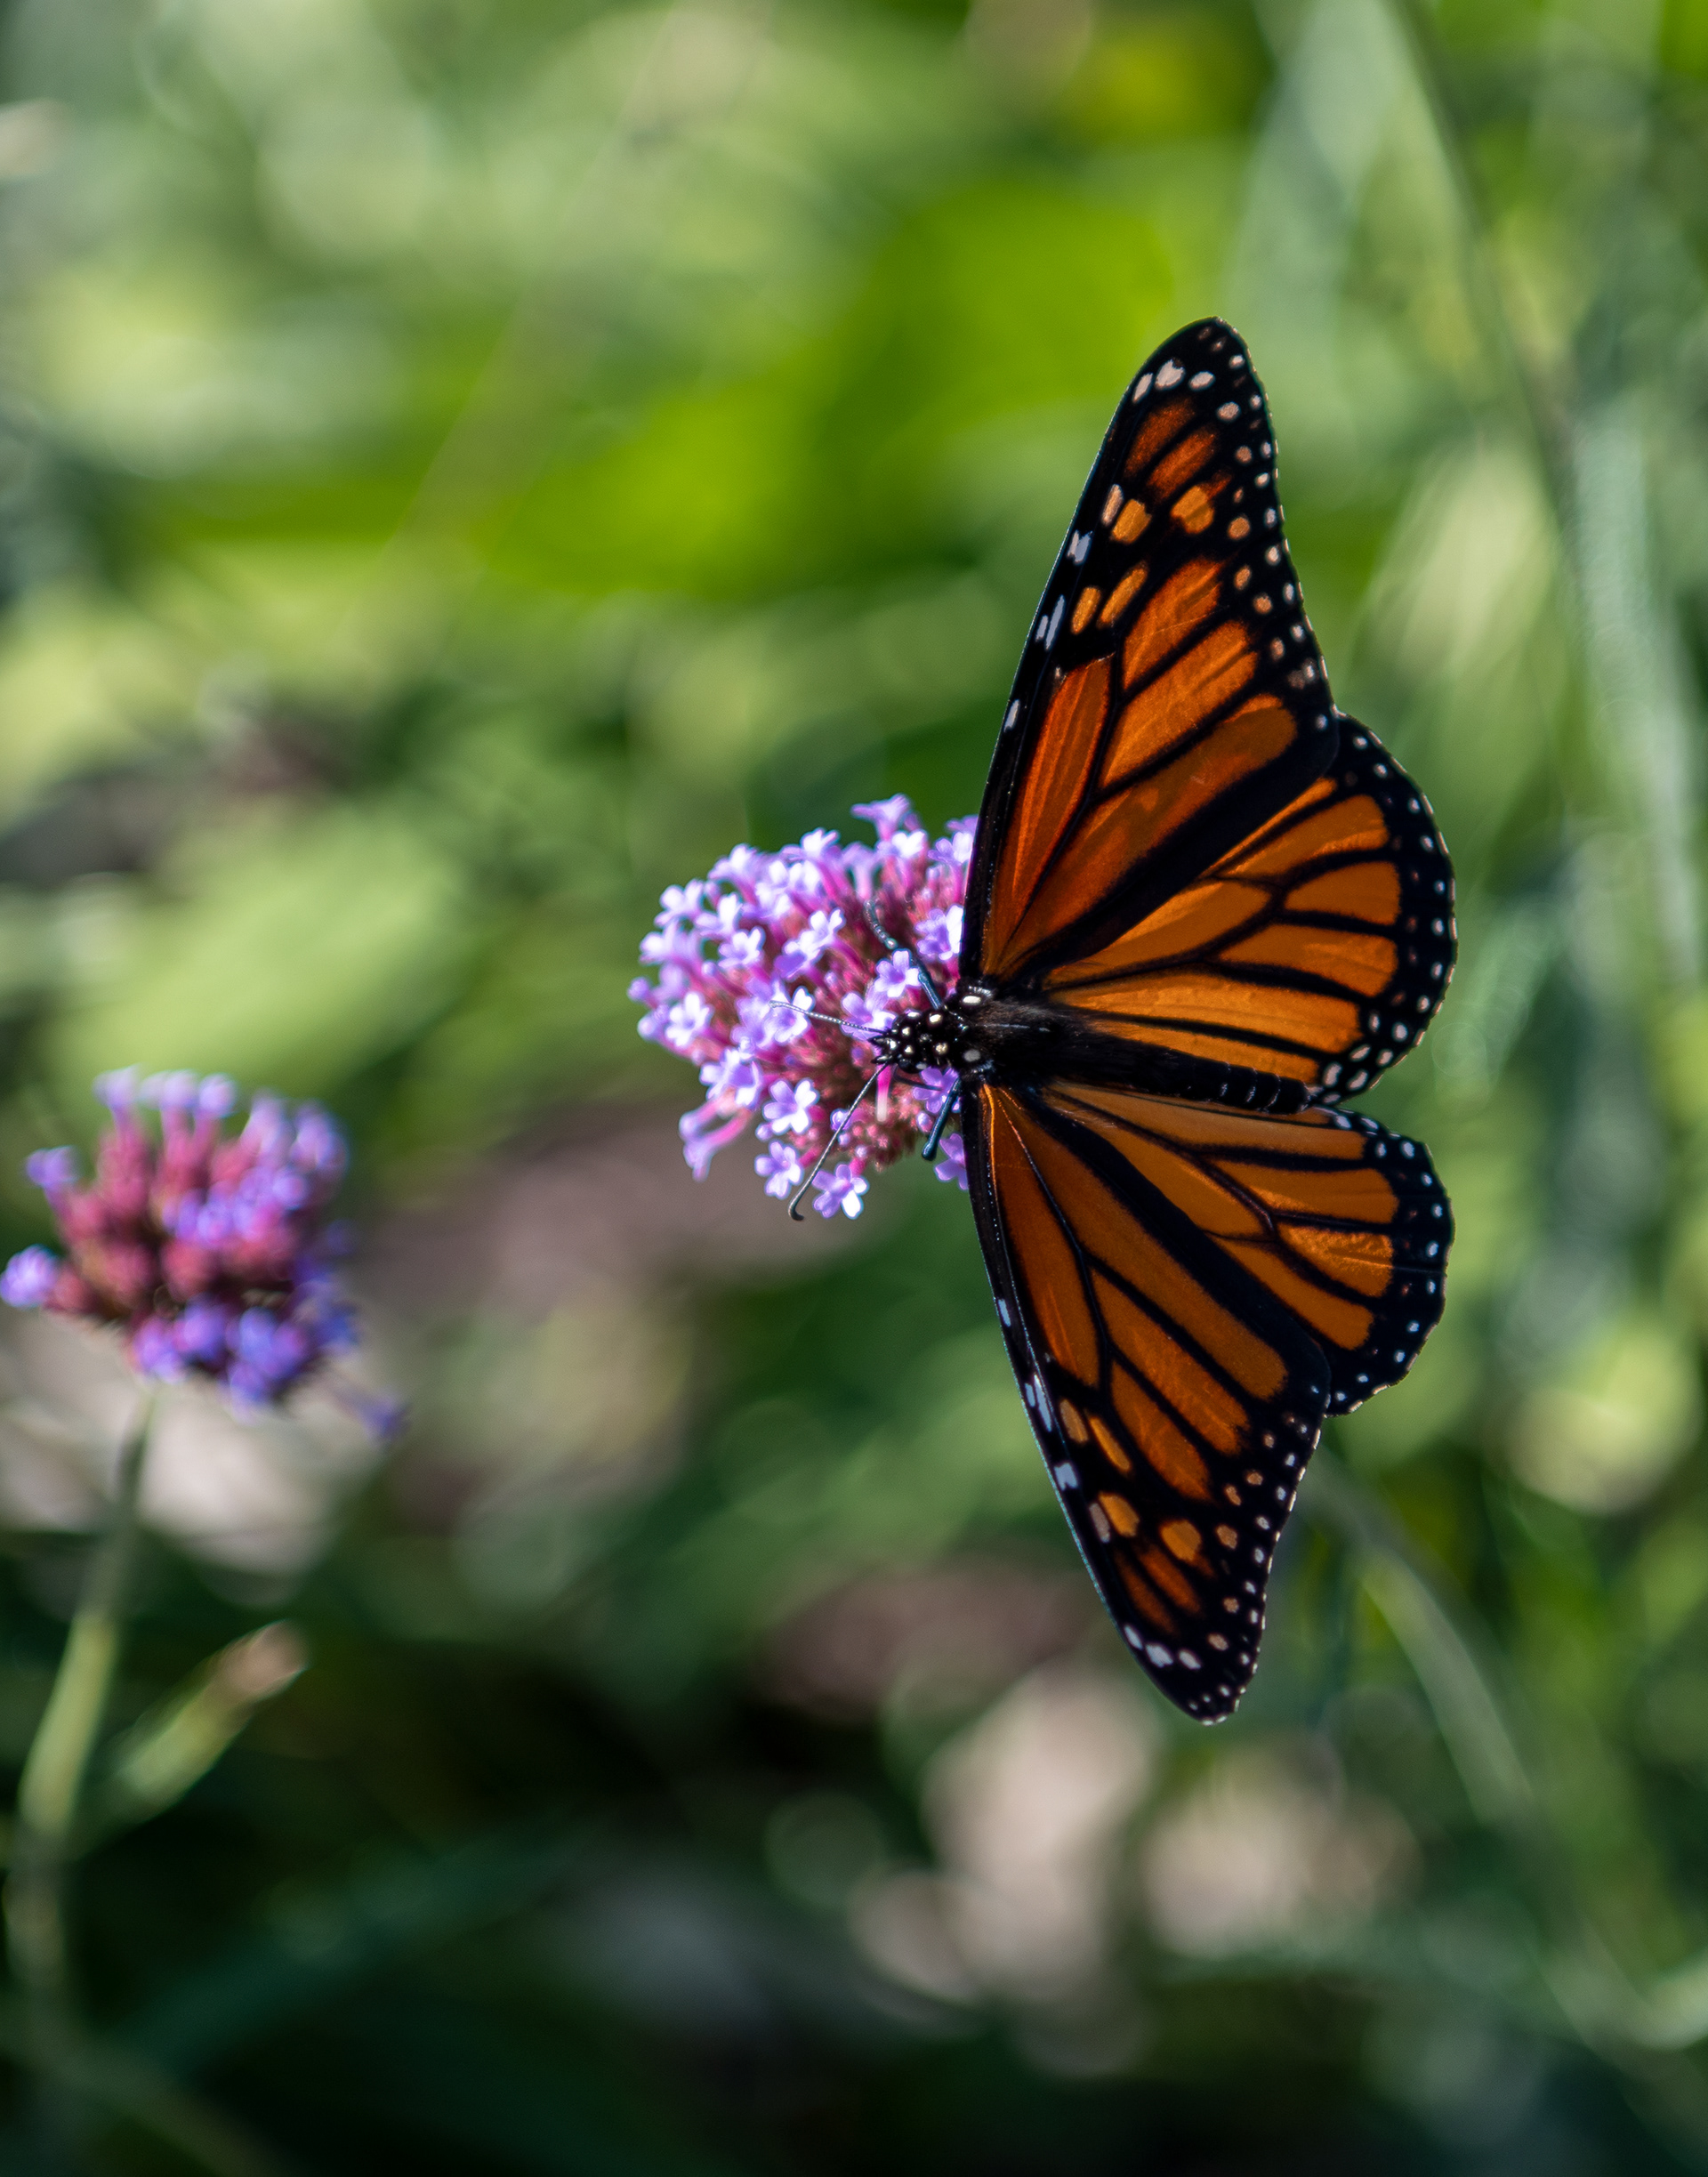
[(464, 463)]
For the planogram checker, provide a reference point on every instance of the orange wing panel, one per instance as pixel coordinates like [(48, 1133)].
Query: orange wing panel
[(1093, 859), (1058, 1285), (1179, 465), (1067, 756), (1103, 1224), (1173, 610), (1365, 892), (1160, 428), (1175, 707), (1214, 1412), (1364, 964)]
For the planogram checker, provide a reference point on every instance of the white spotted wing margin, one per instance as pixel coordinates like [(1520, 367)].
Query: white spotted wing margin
[(1394, 1015), (1176, 1431)]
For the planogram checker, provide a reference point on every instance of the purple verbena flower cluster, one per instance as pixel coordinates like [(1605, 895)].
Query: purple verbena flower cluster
[(744, 959), (210, 1249)]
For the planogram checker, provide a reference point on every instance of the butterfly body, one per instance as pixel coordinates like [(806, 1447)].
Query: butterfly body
[(1205, 905), (991, 1036)]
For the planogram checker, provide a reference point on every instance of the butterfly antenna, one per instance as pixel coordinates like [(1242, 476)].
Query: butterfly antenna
[(892, 949), (946, 1111), (799, 1195), (829, 1021), (805, 1012)]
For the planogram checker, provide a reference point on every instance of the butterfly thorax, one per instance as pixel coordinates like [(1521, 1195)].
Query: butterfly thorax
[(977, 1033), (937, 1035), (995, 1035)]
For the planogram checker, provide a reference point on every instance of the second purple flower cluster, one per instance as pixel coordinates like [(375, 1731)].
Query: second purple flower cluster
[(210, 1249)]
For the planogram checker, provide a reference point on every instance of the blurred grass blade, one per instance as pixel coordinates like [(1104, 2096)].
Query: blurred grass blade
[(1674, 2013), (1464, 1707), (1464, 1704), (1638, 676), (130, 2087), (322, 1940), (180, 1739), (1593, 1990)]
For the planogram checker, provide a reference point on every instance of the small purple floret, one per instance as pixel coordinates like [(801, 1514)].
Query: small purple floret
[(29, 1279), (157, 1352), (744, 957), (211, 1251), (52, 1169)]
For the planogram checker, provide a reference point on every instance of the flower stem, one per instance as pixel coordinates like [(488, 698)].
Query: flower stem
[(49, 1796)]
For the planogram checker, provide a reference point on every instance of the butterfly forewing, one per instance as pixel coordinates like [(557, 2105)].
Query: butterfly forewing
[(1316, 949), (1171, 699), (1176, 1399)]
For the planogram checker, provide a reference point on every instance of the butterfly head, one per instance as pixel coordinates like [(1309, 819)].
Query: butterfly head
[(979, 1033), (945, 1034)]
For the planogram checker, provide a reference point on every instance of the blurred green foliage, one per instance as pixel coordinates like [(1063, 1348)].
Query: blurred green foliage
[(463, 465)]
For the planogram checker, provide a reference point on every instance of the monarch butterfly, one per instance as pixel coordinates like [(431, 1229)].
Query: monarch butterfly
[(1205, 905)]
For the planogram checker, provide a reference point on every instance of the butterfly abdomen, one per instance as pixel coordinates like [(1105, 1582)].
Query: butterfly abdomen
[(1018, 1040)]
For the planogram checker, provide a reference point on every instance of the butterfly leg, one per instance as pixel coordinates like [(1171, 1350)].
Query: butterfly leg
[(799, 1194), (891, 946), (951, 1104)]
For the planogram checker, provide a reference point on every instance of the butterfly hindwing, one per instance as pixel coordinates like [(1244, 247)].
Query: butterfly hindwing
[(1342, 1222), (1171, 699), (1318, 950), (1176, 1400)]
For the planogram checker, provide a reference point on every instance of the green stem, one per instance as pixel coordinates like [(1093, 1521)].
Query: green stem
[(49, 1796)]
